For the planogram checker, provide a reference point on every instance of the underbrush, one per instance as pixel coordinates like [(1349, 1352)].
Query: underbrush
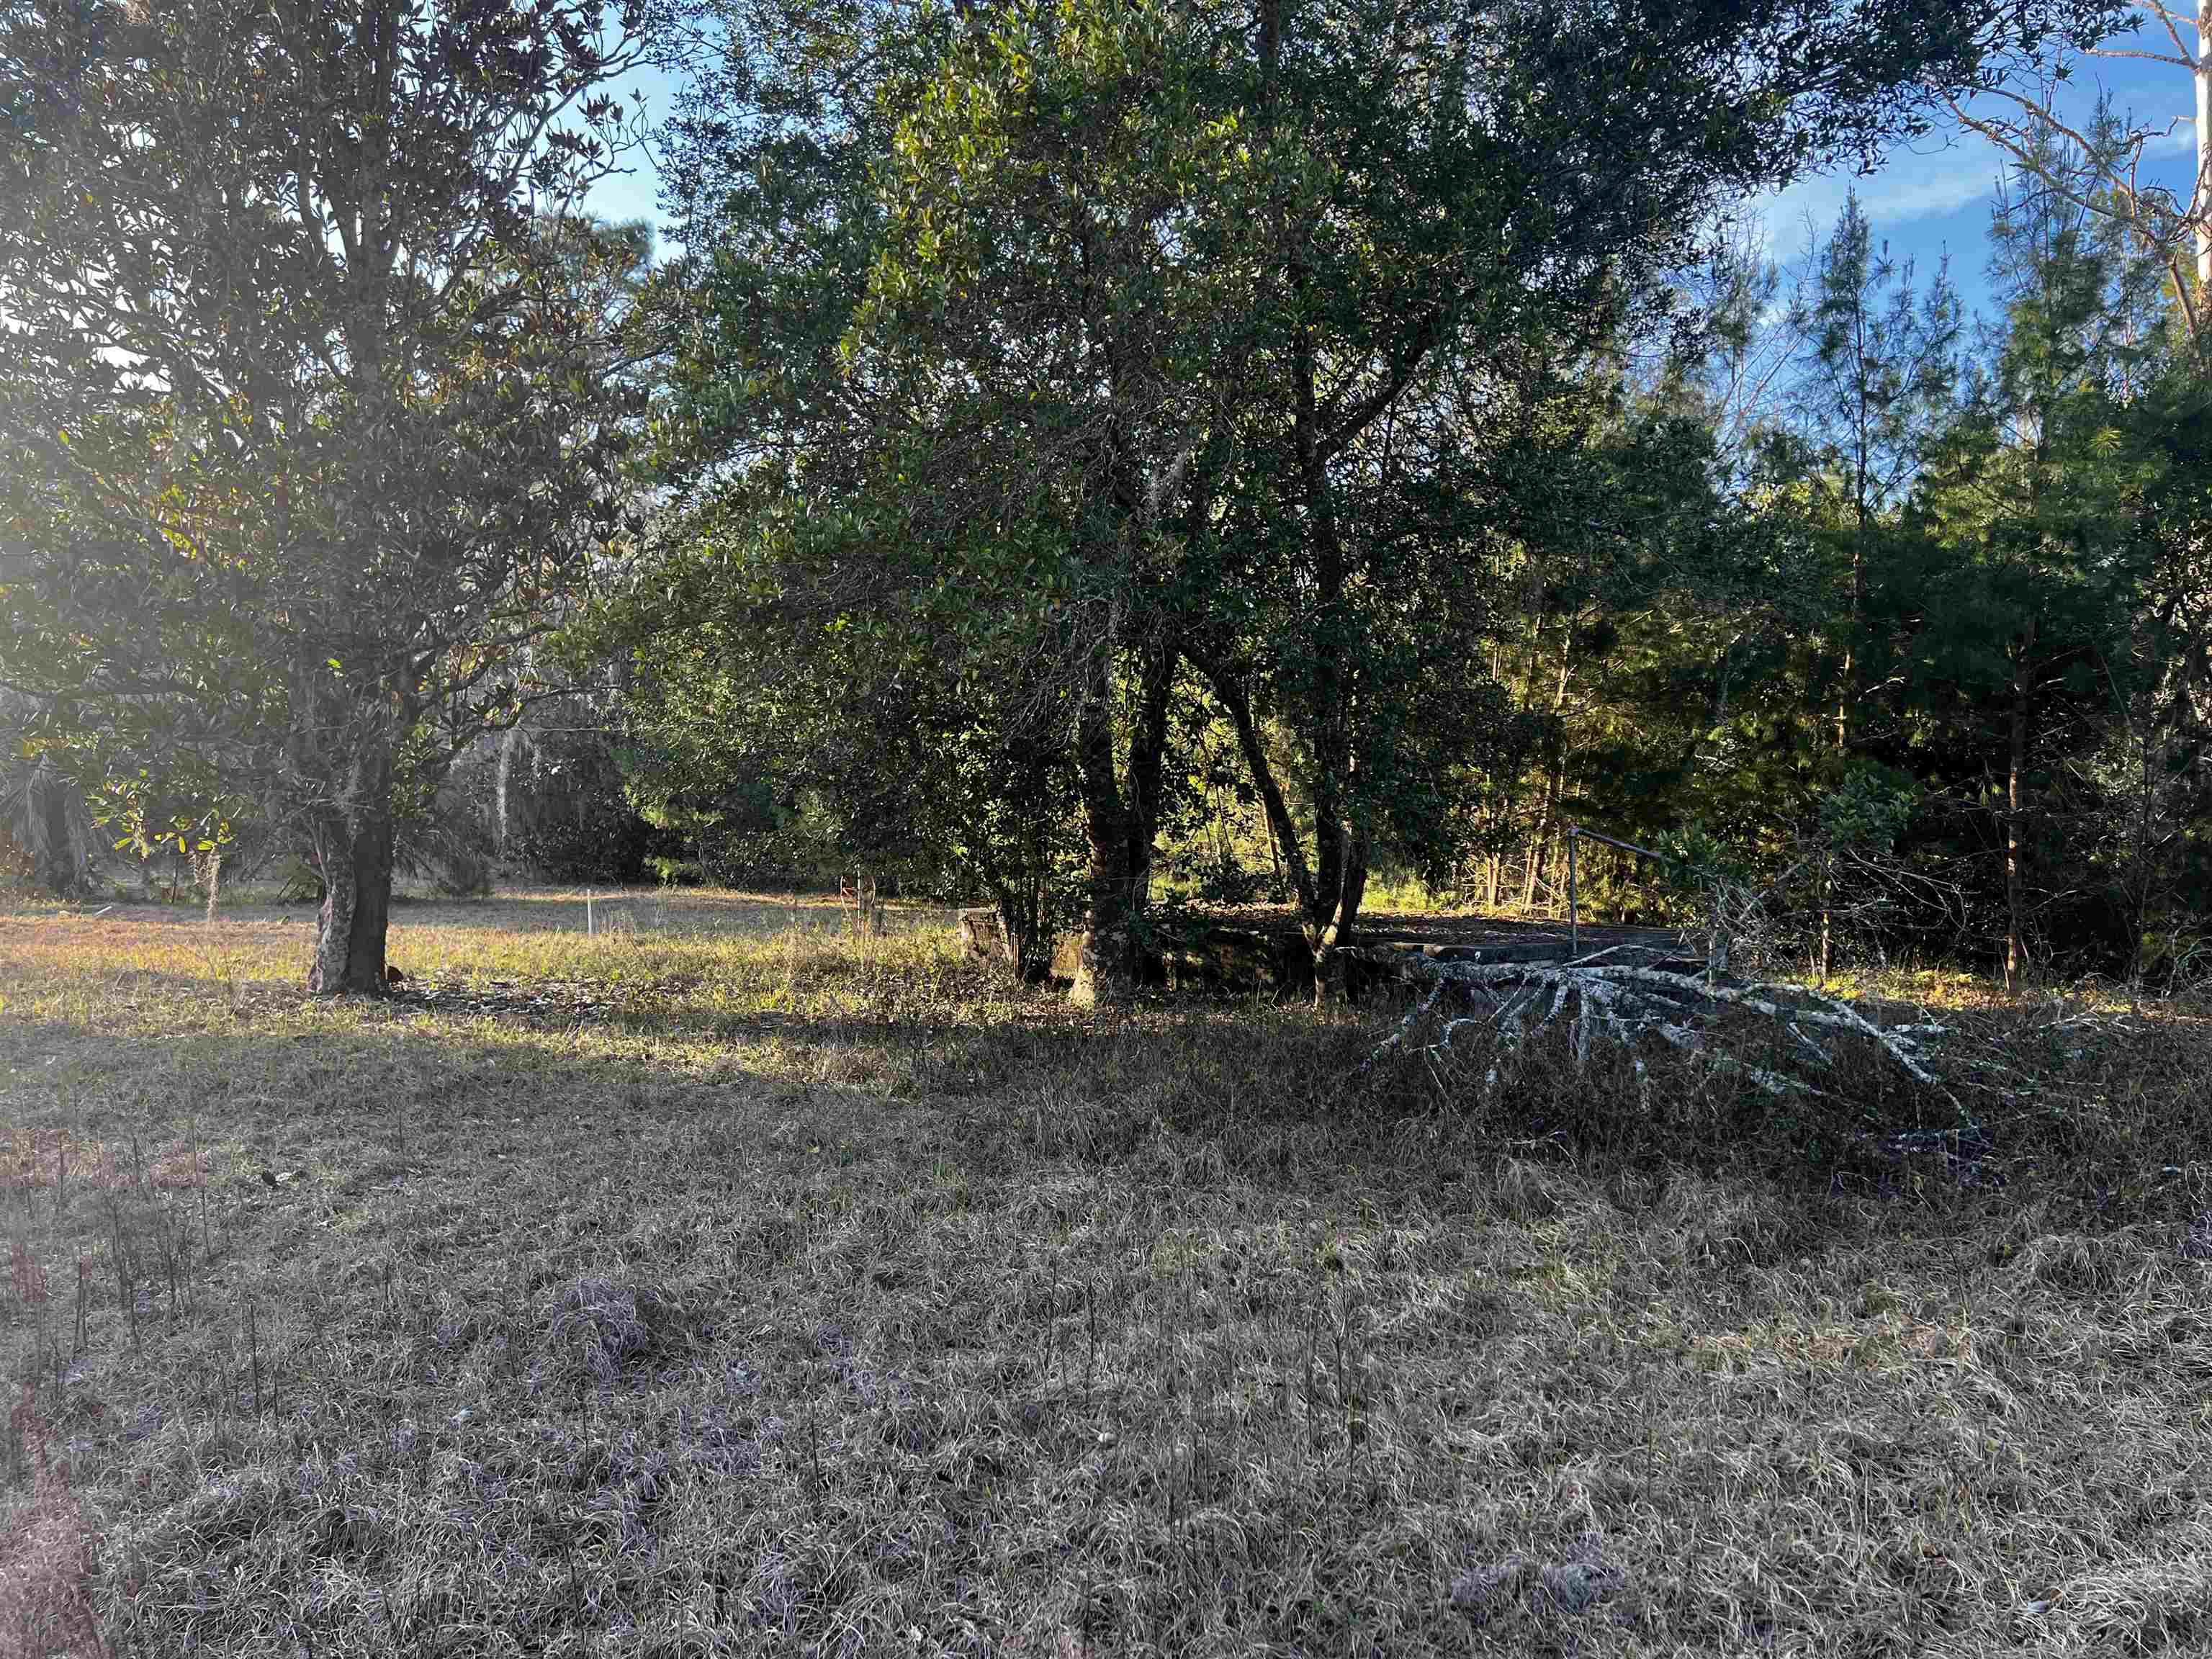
[(791, 1293)]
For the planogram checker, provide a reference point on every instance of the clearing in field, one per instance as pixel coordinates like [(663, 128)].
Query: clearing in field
[(725, 1283)]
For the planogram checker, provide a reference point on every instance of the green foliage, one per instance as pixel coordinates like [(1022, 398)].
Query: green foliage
[(1869, 811), (792, 721), (1025, 357), (2038, 566), (308, 408), (146, 819), (606, 847)]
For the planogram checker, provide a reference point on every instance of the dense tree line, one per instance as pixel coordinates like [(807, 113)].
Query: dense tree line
[(1971, 677), (1088, 442)]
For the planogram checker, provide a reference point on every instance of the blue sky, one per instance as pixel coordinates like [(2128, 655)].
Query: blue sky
[(1933, 196), (1929, 200), (634, 193)]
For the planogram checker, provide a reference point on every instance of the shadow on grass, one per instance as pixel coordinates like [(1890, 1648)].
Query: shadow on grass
[(1256, 1092)]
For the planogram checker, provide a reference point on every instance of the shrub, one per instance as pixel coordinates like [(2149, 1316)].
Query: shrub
[(605, 844)]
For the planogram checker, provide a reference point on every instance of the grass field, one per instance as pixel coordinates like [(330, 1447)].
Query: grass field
[(720, 1284)]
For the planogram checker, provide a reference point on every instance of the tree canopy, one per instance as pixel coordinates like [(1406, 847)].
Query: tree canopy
[(1083, 444), (1234, 326), (309, 411)]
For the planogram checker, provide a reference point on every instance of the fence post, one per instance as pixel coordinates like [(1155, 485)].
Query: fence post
[(591, 927), (1574, 899)]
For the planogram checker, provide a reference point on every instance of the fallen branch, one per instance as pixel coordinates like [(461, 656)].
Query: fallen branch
[(1627, 1002)]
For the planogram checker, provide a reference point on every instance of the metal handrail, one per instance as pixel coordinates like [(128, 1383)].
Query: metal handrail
[(1576, 832)]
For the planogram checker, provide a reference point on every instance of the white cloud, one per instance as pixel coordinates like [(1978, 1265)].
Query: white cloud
[(1930, 182)]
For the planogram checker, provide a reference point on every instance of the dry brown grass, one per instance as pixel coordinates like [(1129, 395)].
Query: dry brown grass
[(694, 1293), (47, 1558)]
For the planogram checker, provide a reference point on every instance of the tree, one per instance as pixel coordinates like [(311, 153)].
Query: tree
[(1874, 391), (1874, 388), (1204, 289), (2100, 165), (2035, 505), (307, 413), (987, 462)]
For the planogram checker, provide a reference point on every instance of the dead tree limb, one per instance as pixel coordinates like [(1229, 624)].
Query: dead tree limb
[(1629, 1003)]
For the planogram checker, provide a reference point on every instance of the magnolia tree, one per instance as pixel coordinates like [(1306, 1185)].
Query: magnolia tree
[(304, 391)]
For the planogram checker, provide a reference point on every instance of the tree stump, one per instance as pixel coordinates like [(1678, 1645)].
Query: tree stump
[(983, 937)]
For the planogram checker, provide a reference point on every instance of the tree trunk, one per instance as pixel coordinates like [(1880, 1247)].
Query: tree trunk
[(354, 849), (1827, 961), (1120, 818), (1147, 761), (1282, 829), (2015, 815), (1328, 894), (1021, 935), (2142, 873), (350, 933), (1541, 857), (1105, 972), (59, 860), (1847, 697), (1329, 929)]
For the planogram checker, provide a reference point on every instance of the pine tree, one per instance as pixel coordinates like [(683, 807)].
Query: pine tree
[(2033, 504)]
